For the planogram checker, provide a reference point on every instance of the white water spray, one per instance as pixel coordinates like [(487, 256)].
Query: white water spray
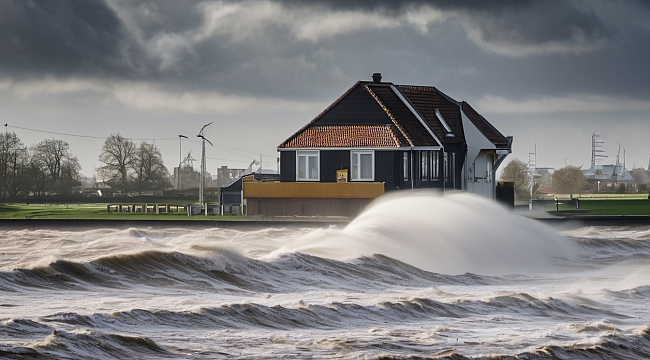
[(452, 234)]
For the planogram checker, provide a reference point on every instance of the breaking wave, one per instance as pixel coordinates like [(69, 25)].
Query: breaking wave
[(227, 269), (414, 277)]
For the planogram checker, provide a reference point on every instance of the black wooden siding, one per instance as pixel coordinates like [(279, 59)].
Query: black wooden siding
[(359, 107), (388, 168), (331, 161), (288, 166)]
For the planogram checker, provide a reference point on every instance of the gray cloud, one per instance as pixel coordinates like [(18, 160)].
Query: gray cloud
[(281, 48), (506, 27), (64, 37), (139, 64), (170, 39), (535, 27)]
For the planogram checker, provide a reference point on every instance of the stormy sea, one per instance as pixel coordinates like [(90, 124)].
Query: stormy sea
[(415, 276)]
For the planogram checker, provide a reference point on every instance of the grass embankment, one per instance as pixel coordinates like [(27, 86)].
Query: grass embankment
[(94, 212), (604, 206)]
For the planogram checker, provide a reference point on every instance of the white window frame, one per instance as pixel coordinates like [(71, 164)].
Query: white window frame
[(434, 167), (355, 176), (307, 154), (425, 165), (406, 166), (446, 165)]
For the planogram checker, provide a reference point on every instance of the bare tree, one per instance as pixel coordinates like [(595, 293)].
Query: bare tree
[(14, 160), (118, 157), (57, 164), (38, 180), (151, 173), (517, 171)]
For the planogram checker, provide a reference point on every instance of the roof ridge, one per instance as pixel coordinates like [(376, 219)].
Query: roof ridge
[(447, 97), (392, 132), (483, 119), (407, 102)]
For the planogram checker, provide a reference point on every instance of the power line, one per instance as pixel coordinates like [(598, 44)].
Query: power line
[(246, 151), (238, 161), (222, 147), (57, 133), (77, 135)]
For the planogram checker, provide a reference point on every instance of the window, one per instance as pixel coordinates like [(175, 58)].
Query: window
[(488, 169), (405, 166), (450, 166), (446, 164), (424, 165), (308, 165), (434, 165), (363, 165), (428, 165)]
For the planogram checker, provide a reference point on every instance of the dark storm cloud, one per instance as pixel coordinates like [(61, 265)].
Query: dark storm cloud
[(283, 47), (63, 37), (553, 26), (520, 22), (157, 39)]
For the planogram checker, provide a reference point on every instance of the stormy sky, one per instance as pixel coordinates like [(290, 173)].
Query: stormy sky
[(550, 73)]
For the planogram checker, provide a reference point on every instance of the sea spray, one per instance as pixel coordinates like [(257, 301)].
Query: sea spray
[(451, 234)]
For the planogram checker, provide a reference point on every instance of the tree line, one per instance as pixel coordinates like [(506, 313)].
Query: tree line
[(567, 180), (129, 167), (50, 168)]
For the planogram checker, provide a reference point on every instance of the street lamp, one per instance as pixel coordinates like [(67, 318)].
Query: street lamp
[(203, 171), (180, 158)]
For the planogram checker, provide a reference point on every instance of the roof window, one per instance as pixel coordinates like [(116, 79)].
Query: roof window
[(444, 124)]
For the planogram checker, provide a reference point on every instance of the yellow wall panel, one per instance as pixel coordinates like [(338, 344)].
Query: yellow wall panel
[(313, 190)]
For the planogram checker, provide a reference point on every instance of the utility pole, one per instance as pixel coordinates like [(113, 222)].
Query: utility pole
[(180, 159), (532, 163), (203, 170)]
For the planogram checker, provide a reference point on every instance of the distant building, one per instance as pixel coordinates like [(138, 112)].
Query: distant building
[(226, 176), (642, 178), (87, 182), (186, 177), (543, 176), (605, 176)]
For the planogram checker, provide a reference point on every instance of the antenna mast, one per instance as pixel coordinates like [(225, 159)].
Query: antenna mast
[(595, 150)]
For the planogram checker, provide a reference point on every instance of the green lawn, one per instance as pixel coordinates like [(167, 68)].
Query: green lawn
[(93, 211), (610, 206), (600, 206)]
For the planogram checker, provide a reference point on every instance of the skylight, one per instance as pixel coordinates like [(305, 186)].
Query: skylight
[(444, 124)]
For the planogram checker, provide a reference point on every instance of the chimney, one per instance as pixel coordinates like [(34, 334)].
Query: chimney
[(376, 78)]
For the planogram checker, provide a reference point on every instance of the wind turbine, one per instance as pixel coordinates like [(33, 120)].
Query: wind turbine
[(189, 160), (203, 171)]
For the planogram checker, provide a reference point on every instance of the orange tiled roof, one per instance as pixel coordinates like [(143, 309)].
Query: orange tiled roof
[(347, 136)]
